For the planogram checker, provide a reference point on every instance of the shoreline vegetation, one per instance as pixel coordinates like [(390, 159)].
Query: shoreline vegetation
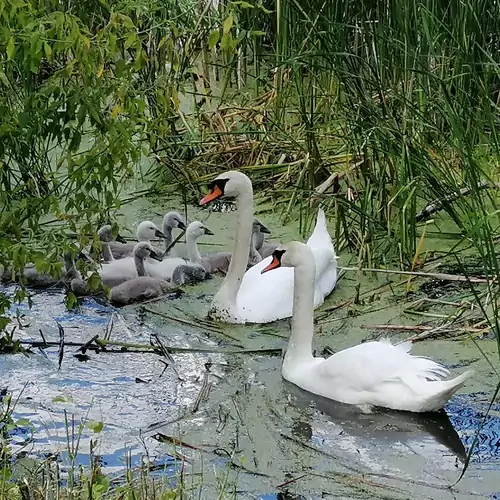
[(385, 113)]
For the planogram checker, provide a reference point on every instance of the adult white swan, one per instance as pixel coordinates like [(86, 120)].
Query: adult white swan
[(252, 297), (374, 373)]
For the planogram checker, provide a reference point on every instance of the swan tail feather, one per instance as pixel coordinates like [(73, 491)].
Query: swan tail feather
[(320, 238), (447, 388)]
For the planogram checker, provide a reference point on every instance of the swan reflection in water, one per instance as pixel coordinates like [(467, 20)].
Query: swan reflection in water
[(388, 425)]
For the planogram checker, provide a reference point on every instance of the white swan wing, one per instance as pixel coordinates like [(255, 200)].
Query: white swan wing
[(163, 269), (320, 237), (385, 375), (119, 267), (263, 298), (321, 245)]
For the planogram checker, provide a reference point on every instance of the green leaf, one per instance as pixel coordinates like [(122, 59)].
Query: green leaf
[(162, 42), (60, 399), (257, 33), (95, 426), (228, 23), (226, 42), (48, 50), (213, 39), (71, 300), (23, 422), (131, 39), (11, 48), (4, 79), (127, 22), (24, 119), (244, 5)]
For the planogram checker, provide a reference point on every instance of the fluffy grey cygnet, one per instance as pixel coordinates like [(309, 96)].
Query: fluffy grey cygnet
[(264, 248)]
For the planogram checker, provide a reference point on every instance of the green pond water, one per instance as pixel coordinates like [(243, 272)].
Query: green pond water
[(274, 435)]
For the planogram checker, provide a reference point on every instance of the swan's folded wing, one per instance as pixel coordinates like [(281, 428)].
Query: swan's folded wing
[(266, 297), (326, 273), (263, 298), (163, 269), (370, 366)]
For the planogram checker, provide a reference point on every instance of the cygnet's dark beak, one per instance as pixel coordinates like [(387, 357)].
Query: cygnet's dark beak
[(155, 256), (263, 229), (207, 231), (181, 225), (120, 238), (159, 234)]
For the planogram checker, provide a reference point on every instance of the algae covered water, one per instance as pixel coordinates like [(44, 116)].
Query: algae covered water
[(222, 397)]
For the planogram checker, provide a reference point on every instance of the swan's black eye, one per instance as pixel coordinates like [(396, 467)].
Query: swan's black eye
[(278, 254), (220, 183)]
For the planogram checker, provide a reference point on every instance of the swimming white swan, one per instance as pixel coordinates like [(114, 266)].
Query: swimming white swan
[(252, 297), (374, 373), (146, 231)]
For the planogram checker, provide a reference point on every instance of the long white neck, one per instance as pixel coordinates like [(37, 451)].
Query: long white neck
[(192, 249), (139, 265), (229, 289), (300, 344)]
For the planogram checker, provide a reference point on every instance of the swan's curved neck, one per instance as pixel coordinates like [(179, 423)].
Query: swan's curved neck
[(70, 268), (259, 240), (253, 256), (192, 249), (300, 344), (167, 231), (107, 254), (139, 265), (239, 260)]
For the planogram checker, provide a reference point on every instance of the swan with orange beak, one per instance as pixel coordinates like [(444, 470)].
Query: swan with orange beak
[(253, 297)]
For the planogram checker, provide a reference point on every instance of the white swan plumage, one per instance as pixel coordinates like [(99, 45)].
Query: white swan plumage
[(375, 373), (252, 297)]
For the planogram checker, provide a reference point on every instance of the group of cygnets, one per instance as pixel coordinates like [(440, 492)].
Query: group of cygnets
[(137, 271)]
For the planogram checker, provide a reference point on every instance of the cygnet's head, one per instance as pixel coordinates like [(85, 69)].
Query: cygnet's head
[(258, 227), (105, 234), (291, 254), (144, 249), (229, 184), (147, 230), (174, 220), (197, 229)]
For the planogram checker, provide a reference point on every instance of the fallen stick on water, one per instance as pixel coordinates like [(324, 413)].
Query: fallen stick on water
[(439, 276), (194, 325), (269, 351)]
